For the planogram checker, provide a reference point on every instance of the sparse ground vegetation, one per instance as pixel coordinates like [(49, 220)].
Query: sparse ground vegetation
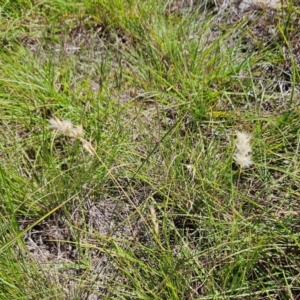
[(136, 189)]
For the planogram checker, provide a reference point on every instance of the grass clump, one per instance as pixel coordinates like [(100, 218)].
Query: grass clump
[(125, 160)]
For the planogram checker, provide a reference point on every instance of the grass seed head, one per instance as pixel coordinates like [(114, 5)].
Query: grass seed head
[(243, 148), (66, 127), (77, 131)]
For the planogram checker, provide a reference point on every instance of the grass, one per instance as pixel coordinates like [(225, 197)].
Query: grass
[(157, 209)]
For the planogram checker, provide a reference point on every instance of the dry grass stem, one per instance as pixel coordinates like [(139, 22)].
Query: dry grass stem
[(246, 4)]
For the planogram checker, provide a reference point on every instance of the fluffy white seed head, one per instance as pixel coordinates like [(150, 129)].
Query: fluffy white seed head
[(66, 127), (77, 131), (243, 148)]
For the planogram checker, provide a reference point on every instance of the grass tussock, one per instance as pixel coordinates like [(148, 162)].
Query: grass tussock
[(156, 189)]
